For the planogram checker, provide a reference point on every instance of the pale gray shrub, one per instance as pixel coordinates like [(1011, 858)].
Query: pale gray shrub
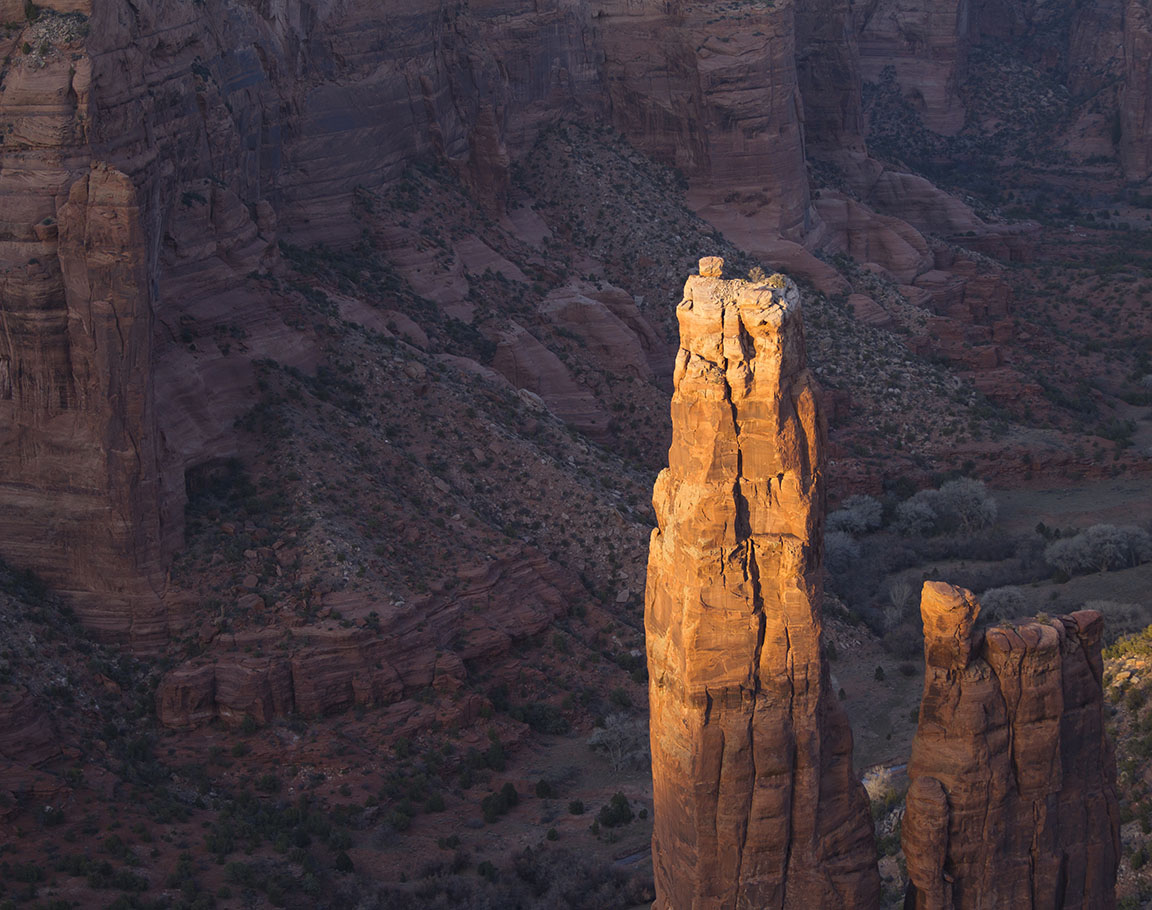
[(857, 515), (840, 550), (1100, 548), (967, 503), (917, 515), (1006, 601)]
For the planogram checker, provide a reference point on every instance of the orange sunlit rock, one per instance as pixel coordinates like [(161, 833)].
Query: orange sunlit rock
[(1013, 781), (756, 803)]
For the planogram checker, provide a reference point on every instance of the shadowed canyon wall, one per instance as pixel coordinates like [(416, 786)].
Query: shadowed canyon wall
[(756, 801), (1099, 50), (154, 155)]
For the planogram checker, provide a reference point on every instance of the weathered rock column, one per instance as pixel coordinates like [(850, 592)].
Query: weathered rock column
[(756, 803), (78, 438), (1012, 800)]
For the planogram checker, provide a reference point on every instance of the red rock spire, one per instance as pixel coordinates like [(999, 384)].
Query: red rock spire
[(756, 803), (1013, 782)]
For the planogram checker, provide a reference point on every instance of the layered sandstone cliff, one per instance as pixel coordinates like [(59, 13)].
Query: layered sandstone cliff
[(756, 804), (1136, 95), (925, 43), (404, 648), (1012, 800), (154, 153)]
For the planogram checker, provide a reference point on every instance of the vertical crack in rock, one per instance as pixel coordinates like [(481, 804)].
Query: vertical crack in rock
[(1012, 801), (756, 803), (753, 574)]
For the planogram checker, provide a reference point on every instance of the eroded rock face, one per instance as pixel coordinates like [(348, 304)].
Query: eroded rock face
[(716, 92), (151, 163), (756, 804), (329, 668), (1012, 800), (828, 71), (1136, 96), (926, 43), (78, 468)]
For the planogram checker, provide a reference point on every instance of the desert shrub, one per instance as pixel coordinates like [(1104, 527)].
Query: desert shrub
[(917, 515), (857, 515), (541, 717), (494, 756), (536, 879), (962, 505), (840, 550), (24, 872), (616, 812), (496, 804), (1005, 601), (620, 698), (1100, 548), (966, 504), (488, 871), (906, 641)]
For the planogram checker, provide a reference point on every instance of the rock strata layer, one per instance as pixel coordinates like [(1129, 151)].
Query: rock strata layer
[(1012, 801), (328, 668), (756, 804)]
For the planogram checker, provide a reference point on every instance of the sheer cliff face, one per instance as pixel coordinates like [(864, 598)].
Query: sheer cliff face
[(714, 91), (828, 71), (154, 154), (78, 465), (755, 801), (925, 42), (1012, 800), (1136, 95)]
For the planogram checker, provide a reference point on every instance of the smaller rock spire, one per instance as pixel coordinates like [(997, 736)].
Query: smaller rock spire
[(1012, 801)]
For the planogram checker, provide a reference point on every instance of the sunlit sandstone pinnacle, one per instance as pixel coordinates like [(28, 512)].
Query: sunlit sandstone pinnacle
[(1012, 800), (756, 805)]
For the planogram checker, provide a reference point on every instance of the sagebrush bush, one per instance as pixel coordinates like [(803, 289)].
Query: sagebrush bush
[(857, 515), (840, 550), (1100, 548), (963, 505), (1006, 601)]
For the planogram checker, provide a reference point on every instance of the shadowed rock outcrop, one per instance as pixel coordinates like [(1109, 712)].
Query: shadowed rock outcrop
[(756, 804), (78, 467), (327, 668), (1012, 801)]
